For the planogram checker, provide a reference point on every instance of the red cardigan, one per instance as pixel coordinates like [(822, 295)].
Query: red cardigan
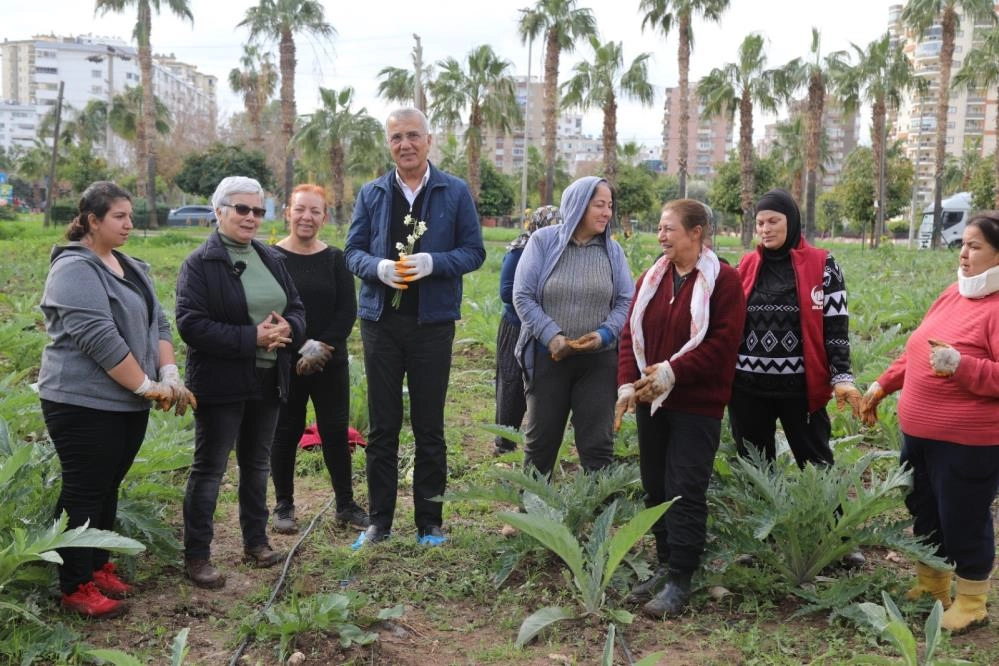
[(962, 408), (704, 374), (809, 268)]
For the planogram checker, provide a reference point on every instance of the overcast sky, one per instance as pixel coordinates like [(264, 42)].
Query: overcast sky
[(375, 34)]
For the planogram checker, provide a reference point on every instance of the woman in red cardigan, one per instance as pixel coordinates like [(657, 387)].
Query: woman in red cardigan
[(949, 376), (682, 332)]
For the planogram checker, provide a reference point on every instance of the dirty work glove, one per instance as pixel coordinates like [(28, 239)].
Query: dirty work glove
[(314, 356), (170, 375), (658, 379), (869, 403), (589, 342), (846, 392), (625, 403), (944, 359), (388, 274), (414, 267), (159, 392), (182, 396), (559, 347)]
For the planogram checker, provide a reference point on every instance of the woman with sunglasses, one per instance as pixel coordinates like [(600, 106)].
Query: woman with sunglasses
[(241, 317)]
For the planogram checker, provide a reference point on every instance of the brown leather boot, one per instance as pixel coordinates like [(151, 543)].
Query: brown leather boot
[(203, 574), (262, 556)]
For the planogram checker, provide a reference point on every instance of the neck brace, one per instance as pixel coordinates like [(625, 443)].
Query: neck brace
[(978, 286)]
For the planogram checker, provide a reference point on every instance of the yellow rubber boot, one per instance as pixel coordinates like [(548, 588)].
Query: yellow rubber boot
[(932, 582), (968, 610)]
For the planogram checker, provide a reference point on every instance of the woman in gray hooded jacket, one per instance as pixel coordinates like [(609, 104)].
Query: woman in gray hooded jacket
[(572, 291)]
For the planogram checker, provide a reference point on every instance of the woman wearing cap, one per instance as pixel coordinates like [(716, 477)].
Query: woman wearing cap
[(795, 350), (571, 291), (683, 330), (240, 315), (949, 378), (510, 401)]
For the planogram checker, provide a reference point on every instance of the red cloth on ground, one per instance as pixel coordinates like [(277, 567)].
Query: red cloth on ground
[(311, 438)]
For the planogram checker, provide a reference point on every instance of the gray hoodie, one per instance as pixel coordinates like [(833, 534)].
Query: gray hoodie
[(94, 319)]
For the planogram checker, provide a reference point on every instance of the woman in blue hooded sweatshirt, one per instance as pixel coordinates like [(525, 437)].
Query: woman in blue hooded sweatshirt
[(572, 292)]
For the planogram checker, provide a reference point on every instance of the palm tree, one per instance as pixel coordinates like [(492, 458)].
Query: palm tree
[(662, 14), (280, 20), (561, 23), (487, 90), (743, 85), (789, 149), (401, 86), (256, 78), (127, 112), (980, 71), (598, 83), (815, 73), (630, 152), (880, 77), (333, 130), (920, 15), (143, 28)]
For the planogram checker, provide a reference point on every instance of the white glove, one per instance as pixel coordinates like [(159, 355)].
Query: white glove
[(658, 379), (415, 266), (944, 359), (625, 403), (314, 356), (388, 274), (170, 375)]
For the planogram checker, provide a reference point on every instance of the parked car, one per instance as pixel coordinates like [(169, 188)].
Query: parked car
[(191, 216)]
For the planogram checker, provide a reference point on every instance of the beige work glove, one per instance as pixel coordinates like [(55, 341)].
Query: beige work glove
[(314, 355), (847, 392), (944, 359), (625, 403), (869, 403)]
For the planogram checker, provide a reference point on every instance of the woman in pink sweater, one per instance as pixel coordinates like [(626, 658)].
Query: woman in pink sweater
[(949, 376)]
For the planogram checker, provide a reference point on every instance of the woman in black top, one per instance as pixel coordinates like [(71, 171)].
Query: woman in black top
[(326, 288)]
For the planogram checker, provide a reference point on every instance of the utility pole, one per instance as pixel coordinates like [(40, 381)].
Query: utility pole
[(419, 99), (52, 164), (913, 212), (109, 138), (527, 136)]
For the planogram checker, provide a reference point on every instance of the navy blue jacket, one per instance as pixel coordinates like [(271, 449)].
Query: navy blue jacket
[(453, 238), (214, 321)]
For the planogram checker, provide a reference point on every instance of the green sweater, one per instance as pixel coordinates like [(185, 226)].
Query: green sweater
[(263, 292)]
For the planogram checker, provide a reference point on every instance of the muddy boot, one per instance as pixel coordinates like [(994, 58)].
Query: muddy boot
[(672, 600), (643, 590), (968, 610), (203, 574), (932, 582)]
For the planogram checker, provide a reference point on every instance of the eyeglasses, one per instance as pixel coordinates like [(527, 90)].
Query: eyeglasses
[(412, 137), (243, 209)]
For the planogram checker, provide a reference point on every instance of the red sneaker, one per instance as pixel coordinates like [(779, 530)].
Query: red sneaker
[(88, 600), (109, 584)]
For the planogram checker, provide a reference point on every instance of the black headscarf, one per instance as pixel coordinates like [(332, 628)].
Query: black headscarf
[(781, 201)]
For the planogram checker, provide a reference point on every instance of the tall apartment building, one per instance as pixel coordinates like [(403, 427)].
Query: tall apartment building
[(18, 125), (99, 68), (841, 130), (969, 110), (709, 138)]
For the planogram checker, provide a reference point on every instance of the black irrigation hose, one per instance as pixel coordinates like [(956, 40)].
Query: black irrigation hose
[(624, 648), (281, 578)]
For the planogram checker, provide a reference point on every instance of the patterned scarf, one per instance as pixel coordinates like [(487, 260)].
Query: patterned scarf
[(700, 308)]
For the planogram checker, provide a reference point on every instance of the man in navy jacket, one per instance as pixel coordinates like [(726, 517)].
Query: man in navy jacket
[(415, 233)]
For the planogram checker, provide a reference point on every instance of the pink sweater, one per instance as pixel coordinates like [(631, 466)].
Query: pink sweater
[(963, 408)]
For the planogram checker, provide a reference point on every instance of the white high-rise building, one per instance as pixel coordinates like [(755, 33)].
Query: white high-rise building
[(18, 125)]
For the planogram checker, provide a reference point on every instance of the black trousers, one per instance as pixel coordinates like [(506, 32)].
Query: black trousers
[(329, 391), (754, 420), (96, 448), (676, 457), (249, 426), (953, 487), (510, 401), (396, 347)]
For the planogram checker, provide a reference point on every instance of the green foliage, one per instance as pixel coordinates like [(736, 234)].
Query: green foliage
[(855, 190), (635, 193), (888, 622), (725, 186), (202, 172), (322, 612), (496, 198), (983, 185), (121, 658), (784, 517), (592, 565)]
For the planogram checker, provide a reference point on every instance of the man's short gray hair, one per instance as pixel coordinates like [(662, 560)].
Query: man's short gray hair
[(235, 185), (408, 113)]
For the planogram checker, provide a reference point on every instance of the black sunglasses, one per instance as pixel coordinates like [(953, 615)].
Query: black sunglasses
[(243, 209)]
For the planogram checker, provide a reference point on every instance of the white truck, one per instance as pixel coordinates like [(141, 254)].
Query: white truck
[(956, 212)]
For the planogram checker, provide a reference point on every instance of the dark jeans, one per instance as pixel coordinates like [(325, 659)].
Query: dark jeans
[(248, 424), (754, 420), (586, 384), (330, 394), (676, 457), (510, 401), (96, 448), (394, 347), (953, 487)]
